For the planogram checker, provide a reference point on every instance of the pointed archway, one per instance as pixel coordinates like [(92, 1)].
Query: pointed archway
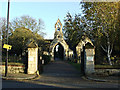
[(59, 52), (63, 50)]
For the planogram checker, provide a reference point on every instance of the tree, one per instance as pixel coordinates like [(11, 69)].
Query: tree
[(3, 31), (19, 39), (39, 39), (102, 19), (28, 22), (72, 30)]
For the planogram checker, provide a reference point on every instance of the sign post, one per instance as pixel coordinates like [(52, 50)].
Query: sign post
[(7, 37), (8, 47)]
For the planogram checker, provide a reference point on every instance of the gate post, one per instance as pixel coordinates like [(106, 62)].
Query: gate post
[(52, 58), (32, 58), (89, 61)]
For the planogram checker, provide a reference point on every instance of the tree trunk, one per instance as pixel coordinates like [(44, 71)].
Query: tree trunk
[(108, 48), (109, 51), (108, 55)]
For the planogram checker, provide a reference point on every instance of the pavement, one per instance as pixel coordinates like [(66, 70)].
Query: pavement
[(19, 76), (22, 76), (114, 79), (61, 74)]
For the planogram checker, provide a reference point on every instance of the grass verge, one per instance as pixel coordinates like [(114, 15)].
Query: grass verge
[(107, 67), (76, 65)]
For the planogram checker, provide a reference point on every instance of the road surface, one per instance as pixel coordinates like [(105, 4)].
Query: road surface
[(59, 74)]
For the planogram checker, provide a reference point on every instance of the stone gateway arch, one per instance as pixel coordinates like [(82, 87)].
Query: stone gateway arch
[(59, 49), (59, 40), (85, 50)]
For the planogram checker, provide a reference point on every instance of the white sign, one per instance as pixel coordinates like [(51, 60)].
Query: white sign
[(42, 61), (90, 58)]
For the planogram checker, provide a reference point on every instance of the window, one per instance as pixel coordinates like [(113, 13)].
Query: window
[(58, 36), (58, 29)]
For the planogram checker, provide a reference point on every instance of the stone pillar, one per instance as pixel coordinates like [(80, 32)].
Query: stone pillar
[(32, 60), (89, 61)]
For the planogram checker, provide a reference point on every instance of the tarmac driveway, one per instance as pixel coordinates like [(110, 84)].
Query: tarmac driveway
[(60, 72), (65, 75)]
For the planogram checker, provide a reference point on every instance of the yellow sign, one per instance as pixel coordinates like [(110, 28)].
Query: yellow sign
[(7, 46)]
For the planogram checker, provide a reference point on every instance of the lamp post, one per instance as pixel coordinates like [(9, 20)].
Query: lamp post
[(6, 63)]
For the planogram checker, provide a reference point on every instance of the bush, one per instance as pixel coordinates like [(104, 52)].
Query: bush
[(74, 60), (46, 59)]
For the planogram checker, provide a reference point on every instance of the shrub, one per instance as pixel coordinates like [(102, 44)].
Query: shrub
[(46, 59), (74, 60)]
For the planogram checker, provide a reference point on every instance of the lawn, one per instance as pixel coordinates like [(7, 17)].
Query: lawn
[(107, 67), (76, 65)]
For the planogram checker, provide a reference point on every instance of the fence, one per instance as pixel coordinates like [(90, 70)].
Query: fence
[(15, 59)]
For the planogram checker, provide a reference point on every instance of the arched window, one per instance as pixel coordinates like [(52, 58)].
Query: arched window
[(58, 29)]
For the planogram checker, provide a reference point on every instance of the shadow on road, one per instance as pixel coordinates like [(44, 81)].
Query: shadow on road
[(22, 84)]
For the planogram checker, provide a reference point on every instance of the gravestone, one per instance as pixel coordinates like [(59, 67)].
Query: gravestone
[(32, 58)]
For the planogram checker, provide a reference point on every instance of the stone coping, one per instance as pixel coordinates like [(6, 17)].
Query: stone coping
[(15, 65)]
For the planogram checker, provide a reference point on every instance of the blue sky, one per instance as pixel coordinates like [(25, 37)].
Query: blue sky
[(48, 12)]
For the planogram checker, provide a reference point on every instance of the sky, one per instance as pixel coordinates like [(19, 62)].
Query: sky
[(48, 12)]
